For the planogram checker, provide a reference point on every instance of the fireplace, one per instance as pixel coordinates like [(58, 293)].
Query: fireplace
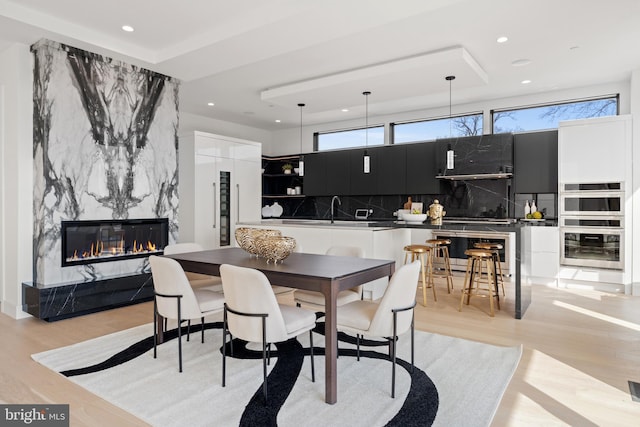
[(89, 242)]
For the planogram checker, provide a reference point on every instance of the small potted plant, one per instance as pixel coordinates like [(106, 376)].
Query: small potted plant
[(287, 168)]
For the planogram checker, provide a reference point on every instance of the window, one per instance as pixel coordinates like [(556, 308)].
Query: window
[(349, 138), (547, 116), (430, 130)]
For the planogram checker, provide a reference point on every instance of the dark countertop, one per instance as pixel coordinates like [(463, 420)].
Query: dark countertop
[(388, 223), (472, 226)]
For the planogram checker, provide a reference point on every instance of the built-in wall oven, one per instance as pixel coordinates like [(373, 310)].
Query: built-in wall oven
[(463, 240), (592, 225), (605, 199)]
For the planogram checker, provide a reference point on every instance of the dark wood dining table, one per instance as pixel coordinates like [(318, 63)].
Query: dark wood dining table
[(322, 273)]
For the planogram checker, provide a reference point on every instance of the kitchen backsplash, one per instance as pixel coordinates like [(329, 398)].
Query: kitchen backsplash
[(481, 198)]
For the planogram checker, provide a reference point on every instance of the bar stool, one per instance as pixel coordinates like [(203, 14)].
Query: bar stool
[(422, 253), (497, 265), (440, 255), (480, 261)]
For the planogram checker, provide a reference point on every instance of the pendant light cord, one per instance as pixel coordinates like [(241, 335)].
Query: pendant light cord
[(450, 79), (366, 118), (301, 105)]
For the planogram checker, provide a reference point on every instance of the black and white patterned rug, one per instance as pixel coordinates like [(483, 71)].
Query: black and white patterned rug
[(456, 382)]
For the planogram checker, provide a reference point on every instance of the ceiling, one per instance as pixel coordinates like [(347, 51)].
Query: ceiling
[(256, 59)]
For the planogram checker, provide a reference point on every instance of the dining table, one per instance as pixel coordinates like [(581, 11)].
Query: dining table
[(327, 274)]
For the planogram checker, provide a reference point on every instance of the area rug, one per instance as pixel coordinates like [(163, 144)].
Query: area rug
[(455, 382)]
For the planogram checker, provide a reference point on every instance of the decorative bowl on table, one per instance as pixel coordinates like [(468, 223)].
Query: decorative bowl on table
[(412, 218), (275, 248), (247, 238)]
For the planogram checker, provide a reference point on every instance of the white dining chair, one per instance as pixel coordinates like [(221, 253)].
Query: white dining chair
[(252, 313), (315, 300), (197, 280), (175, 299), (388, 318)]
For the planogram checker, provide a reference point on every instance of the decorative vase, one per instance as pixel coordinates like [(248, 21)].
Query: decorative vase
[(533, 206), (247, 238), (527, 209), (275, 248)]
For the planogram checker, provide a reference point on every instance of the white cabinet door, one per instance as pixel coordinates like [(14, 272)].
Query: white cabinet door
[(247, 191), (545, 252), (204, 200), (594, 150), (213, 206)]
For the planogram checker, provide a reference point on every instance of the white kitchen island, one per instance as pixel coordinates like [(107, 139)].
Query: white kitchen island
[(316, 236)]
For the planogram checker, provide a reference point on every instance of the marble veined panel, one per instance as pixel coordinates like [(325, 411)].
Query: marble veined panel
[(105, 147)]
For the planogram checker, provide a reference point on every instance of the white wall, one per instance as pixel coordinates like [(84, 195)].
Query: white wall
[(16, 180), (192, 122), (287, 141), (2, 191), (635, 150)]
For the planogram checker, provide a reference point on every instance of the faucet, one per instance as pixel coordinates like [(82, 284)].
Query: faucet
[(333, 199)]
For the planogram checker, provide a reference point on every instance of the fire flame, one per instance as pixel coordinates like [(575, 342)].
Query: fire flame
[(98, 250)]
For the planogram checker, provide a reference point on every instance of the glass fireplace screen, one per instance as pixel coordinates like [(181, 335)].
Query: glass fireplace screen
[(88, 242)]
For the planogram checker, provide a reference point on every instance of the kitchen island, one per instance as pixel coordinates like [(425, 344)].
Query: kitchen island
[(385, 240)]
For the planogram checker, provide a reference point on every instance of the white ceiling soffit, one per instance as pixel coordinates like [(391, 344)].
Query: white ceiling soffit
[(413, 76)]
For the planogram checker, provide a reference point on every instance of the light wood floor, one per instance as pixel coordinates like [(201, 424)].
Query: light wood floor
[(580, 349)]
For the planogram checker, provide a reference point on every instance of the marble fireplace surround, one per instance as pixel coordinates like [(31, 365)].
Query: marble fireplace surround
[(105, 146)]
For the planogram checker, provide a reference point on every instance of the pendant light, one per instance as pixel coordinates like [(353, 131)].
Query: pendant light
[(301, 163), (450, 152), (366, 160)]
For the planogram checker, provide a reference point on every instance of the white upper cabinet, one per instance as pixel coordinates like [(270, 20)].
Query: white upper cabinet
[(595, 150)]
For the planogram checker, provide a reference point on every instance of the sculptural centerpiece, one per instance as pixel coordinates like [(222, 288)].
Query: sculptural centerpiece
[(436, 212), (247, 238), (275, 248)]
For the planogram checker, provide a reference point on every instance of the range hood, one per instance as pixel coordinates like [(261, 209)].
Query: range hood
[(469, 177), (475, 157)]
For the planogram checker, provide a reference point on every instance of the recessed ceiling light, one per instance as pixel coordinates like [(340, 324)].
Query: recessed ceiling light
[(525, 82), (502, 39), (127, 28), (278, 120), (521, 62), (345, 110), (210, 104)]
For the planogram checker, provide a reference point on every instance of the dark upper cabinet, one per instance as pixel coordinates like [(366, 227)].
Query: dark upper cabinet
[(315, 173), (386, 176), (326, 173), (337, 172), (476, 155), (535, 167), (361, 183), (392, 164), (421, 170)]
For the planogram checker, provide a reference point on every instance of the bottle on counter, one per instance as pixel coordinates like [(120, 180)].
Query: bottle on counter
[(527, 209), (533, 206), (408, 204)]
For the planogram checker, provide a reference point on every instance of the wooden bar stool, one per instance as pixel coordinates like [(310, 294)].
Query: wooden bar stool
[(497, 265), (440, 261), (480, 271), (422, 253)]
